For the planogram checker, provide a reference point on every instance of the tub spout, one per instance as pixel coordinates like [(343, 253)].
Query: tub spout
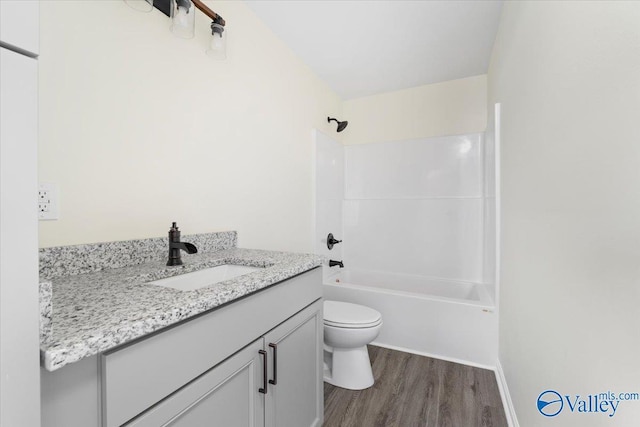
[(333, 263)]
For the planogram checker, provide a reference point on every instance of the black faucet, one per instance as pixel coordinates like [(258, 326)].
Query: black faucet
[(175, 246), (333, 263)]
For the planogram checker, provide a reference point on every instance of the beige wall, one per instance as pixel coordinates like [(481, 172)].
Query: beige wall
[(450, 108), (568, 77), (139, 128)]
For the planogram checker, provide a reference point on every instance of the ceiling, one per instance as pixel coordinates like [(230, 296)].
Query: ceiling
[(366, 47)]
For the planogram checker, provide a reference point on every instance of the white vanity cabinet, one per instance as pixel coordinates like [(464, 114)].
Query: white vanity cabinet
[(256, 362), (271, 382)]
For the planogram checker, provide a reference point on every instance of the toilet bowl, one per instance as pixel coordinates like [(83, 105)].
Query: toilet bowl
[(348, 328)]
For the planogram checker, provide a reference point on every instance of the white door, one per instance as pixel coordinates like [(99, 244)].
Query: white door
[(19, 308)]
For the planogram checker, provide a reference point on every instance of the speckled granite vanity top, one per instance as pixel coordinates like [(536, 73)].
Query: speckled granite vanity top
[(97, 310)]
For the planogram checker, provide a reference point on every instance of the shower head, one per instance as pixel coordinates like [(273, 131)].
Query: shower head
[(341, 125)]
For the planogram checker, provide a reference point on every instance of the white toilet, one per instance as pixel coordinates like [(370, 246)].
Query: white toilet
[(348, 328)]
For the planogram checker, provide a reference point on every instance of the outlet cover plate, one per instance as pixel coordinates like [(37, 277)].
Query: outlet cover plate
[(48, 207)]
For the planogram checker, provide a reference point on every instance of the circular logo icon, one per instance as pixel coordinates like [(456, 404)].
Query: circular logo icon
[(550, 403)]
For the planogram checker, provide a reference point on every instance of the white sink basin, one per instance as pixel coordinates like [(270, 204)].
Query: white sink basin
[(206, 277)]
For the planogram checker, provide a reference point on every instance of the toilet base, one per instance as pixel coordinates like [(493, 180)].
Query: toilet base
[(348, 368)]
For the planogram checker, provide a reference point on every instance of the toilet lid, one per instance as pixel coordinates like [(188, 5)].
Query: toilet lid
[(345, 315)]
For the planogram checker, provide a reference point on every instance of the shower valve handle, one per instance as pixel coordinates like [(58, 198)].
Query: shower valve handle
[(332, 241)]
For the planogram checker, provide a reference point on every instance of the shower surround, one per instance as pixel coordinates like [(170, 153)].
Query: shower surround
[(415, 217)]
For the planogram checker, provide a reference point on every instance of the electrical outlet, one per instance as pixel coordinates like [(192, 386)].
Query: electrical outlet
[(48, 201)]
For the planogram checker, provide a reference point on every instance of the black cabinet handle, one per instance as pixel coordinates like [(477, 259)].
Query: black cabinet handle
[(274, 381), (263, 390)]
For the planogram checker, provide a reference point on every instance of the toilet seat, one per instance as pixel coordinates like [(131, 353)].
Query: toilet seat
[(350, 316), (352, 326)]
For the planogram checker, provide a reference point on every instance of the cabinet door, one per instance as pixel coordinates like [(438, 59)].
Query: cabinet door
[(295, 366), (225, 396)]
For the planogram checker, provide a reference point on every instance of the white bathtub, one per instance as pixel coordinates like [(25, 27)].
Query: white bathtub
[(439, 318)]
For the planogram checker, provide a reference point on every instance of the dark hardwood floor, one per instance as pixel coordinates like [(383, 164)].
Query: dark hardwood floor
[(412, 391)]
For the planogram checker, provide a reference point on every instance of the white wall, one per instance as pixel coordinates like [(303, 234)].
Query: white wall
[(415, 207), (140, 128), (568, 77), (449, 108)]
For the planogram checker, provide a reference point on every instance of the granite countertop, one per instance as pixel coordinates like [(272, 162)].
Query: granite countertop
[(96, 311)]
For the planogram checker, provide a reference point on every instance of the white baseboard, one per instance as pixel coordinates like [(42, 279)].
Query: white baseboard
[(509, 410), (434, 356)]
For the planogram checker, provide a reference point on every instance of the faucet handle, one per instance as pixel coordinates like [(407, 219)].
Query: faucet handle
[(174, 233), (332, 241)]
